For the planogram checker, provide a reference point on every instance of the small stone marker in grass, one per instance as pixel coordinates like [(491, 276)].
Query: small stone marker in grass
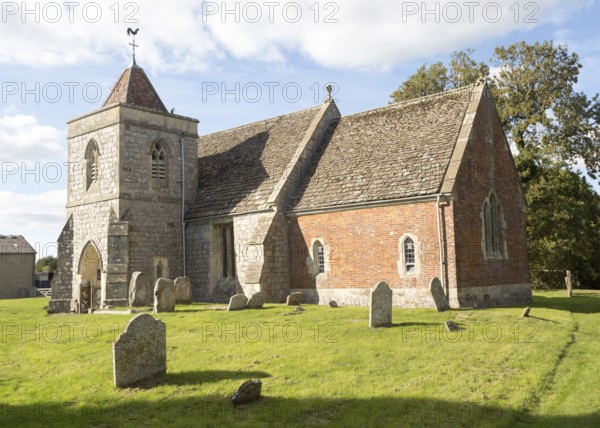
[(451, 326), (333, 304), (247, 392), (294, 299), (569, 283), (237, 302), (526, 312), (140, 352), (380, 306)]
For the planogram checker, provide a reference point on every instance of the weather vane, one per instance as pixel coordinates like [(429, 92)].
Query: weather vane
[(131, 32)]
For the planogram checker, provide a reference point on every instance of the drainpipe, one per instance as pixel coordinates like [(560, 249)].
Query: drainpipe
[(439, 224), (181, 139)]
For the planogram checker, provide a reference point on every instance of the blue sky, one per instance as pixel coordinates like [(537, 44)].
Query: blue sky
[(228, 63)]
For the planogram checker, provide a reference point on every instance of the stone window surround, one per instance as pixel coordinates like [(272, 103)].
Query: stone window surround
[(164, 149), (401, 262)]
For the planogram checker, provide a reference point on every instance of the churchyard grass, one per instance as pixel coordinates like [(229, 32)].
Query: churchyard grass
[(320, 367)]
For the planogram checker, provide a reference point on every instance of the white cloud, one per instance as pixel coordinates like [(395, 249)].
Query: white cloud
[(187, 35), (23, 139), (38, 217)]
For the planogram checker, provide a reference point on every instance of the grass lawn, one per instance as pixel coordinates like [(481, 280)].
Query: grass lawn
[(321, 367)]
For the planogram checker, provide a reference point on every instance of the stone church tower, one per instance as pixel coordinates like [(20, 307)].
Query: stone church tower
[(132, 176)]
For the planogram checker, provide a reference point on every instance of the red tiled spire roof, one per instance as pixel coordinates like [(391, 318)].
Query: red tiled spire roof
[(134, 87)]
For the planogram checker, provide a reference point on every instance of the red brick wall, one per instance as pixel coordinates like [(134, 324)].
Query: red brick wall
[(487, 167), (365, 245)]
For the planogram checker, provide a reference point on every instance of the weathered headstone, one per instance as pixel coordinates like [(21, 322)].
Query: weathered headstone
[(164, 295), (140, 352), (451, 326), (526, 312), (294, 299), (299, 309), (238, 301), (333, 304), (183, 290), (569, 283), (439, 297), (140, 293), (247, 392), (85, 303), (380, 305), (256, 301)]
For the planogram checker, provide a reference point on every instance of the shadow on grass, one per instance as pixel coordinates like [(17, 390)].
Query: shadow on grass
[(216, 411), (581, 304), (199, 377), (411, 324)]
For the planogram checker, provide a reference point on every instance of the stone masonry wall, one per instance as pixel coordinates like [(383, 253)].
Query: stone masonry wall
[(16, 272)]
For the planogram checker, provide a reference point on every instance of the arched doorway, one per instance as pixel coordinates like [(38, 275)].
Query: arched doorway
[(90, 271)]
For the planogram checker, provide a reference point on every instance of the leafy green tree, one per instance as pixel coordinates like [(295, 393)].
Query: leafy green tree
[(46, 264), (563, 226), (463, 70)]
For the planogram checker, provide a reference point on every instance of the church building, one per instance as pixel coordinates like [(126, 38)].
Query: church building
[(311, 201)]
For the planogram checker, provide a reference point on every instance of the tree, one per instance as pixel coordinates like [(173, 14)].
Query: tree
[(563, 226), (551, 127), (46, 264), (540, 109), (463, 70)]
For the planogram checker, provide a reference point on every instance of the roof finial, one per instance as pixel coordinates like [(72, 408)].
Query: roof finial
[(329, 88), (132, 44)]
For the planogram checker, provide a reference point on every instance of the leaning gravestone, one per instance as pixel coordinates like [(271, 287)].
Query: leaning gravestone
[(294, 299), (237, 302), (183, 290), (380, 314), (525, 313), (164, 296), (333, 304), (140, 293), (256, 301), (140, 352), (439, 297)]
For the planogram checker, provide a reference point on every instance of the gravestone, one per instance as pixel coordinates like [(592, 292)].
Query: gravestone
[(140, 293), (237, 302), (294, 299), (569, 283), (526, 312), (451, 326), (164, 296), (256, 301), (183, 290), (247, 392), (439, 297), (333, 304), (380, 306), (140, 352), (299, 309)]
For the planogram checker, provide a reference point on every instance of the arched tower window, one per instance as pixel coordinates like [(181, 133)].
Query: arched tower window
[(92, 157), (409, 255), (159, 162)]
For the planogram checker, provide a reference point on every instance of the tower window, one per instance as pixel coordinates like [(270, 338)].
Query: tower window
[(92, 156), (159, 162), (319, 254)]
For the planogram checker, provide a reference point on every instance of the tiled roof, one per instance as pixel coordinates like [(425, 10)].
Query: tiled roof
[(134, 87), (15, 244), (238, 168), (393, 152)]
